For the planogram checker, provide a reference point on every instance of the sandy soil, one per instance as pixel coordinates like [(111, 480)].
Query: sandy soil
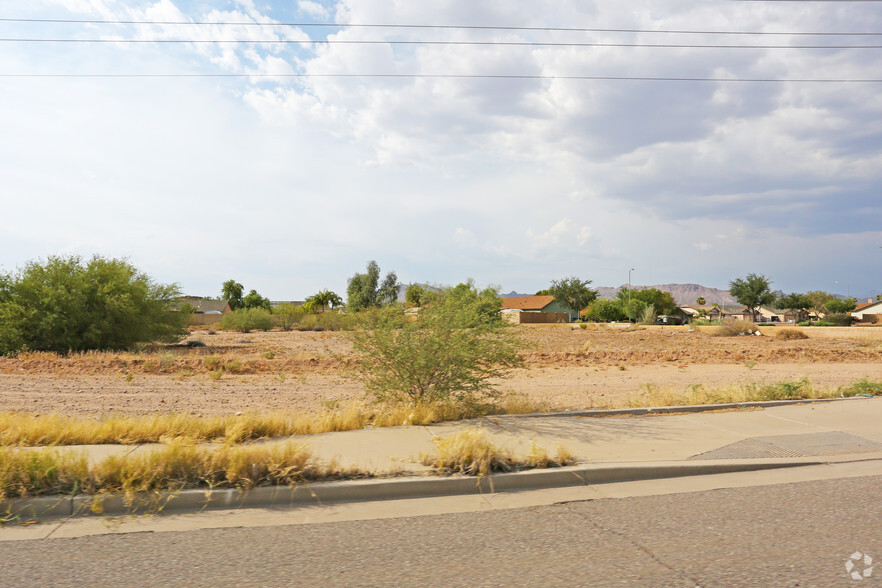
[(567, 368)]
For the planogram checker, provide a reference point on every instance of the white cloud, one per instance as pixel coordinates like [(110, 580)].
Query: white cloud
[(464, 238), (313, 9), (552, 236), (585, 234)]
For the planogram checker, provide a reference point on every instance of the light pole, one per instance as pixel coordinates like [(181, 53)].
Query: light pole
[(629, 283)]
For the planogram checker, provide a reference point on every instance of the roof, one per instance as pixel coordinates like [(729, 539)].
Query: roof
[(208, 305), (865, 306), (526, 302)]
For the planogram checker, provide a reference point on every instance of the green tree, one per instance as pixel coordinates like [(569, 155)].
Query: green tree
[(798, 302), (255, 300), (325, 299), (365, 290), (840, 305), (573, 294), (451, 351), (416, 295), (818, 300), (485, 303), (663, 302), (605, 310), (66, 304), (232, 292), (700, 301), (545, 292), (752, 291)]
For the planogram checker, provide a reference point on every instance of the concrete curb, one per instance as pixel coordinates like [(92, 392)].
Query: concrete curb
[(52, 507), (676, 409)]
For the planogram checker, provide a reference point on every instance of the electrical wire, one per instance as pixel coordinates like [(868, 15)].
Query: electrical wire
[(394, 42), (465, 76), (441, 27)]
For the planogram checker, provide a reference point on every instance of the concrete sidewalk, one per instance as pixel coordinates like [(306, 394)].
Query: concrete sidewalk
[(819, 429), (607, 450)]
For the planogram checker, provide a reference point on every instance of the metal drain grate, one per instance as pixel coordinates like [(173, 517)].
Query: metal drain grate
[(806, 445), (753, 448), (830, 443)]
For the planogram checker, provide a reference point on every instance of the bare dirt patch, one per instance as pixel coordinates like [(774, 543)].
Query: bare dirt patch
[(304, 371)]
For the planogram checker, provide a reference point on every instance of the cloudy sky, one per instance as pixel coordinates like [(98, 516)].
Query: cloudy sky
[(500, 149)]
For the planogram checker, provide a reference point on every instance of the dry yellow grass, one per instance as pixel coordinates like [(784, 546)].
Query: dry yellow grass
[(470, 453), (796, 389), (26, 429), (178, 466), (791, 334)]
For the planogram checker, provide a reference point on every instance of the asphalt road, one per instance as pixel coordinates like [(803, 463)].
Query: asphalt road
[(787, 535)]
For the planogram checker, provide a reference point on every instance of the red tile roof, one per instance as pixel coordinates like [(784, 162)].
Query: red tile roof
[(526, 302)]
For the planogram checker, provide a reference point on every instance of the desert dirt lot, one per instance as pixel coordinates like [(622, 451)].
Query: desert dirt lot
[(602, 366)]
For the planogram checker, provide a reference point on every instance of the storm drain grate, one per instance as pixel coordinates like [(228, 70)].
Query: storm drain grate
[(806, 445), (753, 448)]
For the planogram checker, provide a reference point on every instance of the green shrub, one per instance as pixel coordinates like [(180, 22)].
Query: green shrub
[(785, 390), (605, 310), (864, 386), (450, 351), (289, 314), (247, 319), (68, 305), (839, 319)]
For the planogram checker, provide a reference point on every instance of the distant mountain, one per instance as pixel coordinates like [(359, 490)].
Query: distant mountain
[(513, 294), (682, 293)]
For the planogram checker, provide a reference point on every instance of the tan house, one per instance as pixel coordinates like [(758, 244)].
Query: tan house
[(774, 315), (207, 312)]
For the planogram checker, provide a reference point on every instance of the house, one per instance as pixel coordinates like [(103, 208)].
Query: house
[(730, 311), (773, 315), (692, 311), (207, 312), (535, 309), (869, 311)]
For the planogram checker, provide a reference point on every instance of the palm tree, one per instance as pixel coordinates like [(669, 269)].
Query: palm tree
[(324, 299), (700, 301)]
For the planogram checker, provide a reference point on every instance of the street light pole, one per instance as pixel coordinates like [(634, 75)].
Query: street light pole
[(629, 283)]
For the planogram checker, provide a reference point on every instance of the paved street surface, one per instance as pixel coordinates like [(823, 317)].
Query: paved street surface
[(798, 534)]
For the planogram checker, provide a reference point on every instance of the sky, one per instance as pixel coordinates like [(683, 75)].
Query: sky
[(495, 153)]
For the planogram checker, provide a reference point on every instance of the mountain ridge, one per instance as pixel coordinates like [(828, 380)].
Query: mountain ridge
[(683, 294)]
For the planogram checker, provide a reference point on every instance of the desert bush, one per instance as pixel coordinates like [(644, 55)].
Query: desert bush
[(66, 304), (790, 334), (289, 315), (247, 319), (703, 322), (449, 352), (605, 311), (733, 328), (864, 386), (648, 316)]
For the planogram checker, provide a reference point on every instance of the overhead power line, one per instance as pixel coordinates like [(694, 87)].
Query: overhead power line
[(431, 26), (468, 76), (397, 42)]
